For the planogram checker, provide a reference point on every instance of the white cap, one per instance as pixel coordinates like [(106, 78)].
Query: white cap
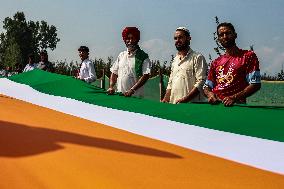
[(183, 29)]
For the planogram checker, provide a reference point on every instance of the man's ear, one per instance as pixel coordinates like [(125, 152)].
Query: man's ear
[(218, 39), (188, 38)]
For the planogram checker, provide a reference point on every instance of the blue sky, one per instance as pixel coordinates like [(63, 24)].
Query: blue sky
[(98, 24)]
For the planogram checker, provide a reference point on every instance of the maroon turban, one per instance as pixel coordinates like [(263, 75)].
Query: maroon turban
[(133, 30)]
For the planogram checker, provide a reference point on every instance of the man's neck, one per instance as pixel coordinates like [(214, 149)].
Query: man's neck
[(131, 51), (183, 53), (232, 51), (84, 59)]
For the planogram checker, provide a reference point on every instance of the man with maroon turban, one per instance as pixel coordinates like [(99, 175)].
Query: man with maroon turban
[(131, 69)]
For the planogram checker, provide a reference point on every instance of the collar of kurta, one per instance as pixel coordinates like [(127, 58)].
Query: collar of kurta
[(130, 54), (140, 56), (84, 61), (181, 60), (87, 59), (186, 56)]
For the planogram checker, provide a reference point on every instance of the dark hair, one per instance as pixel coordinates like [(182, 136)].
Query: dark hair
[(43, 52), (226, 24), (83, 48), (32, 56)]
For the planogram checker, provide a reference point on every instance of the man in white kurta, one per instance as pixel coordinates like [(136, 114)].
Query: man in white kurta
[(188, 72), (124, 68), (131, 69), (31, 65)]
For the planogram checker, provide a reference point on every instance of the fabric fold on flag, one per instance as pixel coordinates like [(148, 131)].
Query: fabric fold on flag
[(249, 135)]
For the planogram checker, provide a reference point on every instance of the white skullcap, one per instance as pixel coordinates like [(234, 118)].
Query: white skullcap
[(183, 29)]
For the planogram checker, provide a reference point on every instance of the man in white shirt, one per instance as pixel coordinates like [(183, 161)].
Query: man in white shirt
[(87, 71), (188, 72), (131, 69), (31, 65), (44, 64)]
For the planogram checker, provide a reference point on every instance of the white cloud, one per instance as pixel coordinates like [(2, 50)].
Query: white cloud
[(111, 51), (271, 60), (267, 50), (158, 49)]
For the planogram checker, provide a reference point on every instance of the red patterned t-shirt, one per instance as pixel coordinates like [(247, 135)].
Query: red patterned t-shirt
[(229, 75)]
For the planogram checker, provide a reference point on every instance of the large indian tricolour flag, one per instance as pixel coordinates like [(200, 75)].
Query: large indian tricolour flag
[(57, 132)]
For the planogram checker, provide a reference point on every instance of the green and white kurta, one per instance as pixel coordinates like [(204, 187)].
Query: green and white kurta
[(129, 68)]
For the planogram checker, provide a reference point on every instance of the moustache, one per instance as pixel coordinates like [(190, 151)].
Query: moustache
[(132, 46)]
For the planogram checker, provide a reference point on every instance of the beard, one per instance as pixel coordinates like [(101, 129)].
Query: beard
[(182, 46), (228, 44), (132, 47)]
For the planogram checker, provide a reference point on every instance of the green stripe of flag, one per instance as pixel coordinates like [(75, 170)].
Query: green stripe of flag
[(263, 122)]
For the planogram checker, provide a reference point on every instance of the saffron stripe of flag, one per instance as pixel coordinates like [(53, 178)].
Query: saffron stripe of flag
[(43, 148)]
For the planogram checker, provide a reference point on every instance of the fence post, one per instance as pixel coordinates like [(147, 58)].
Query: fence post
[(103, 80), (161, 85)]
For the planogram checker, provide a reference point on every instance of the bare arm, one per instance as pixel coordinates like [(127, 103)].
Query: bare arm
[(248, 91), (113, 80), (193, 93), (137, 85), (167, 96), (212, 98)]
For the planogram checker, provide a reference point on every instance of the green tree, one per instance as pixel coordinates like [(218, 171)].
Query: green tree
[(280, 75), (218, 49), (12, 54), (30, 36)]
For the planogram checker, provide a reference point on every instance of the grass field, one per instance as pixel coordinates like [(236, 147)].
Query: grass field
[(271, 94)]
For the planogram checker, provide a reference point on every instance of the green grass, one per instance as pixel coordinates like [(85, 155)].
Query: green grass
[(270, 94)]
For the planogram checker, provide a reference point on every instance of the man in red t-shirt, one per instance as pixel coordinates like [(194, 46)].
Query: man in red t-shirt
[(235, 75)]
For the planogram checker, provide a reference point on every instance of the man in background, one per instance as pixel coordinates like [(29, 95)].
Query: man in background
[(31, 65), (87, 71), (44, 64)]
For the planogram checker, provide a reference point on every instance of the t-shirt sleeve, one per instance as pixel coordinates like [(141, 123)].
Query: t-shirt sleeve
[(253, 71), (211, 78)]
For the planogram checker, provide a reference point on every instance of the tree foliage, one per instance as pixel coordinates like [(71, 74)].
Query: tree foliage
[(12, 54), (218, 49), (22, 37), (103, 67)]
